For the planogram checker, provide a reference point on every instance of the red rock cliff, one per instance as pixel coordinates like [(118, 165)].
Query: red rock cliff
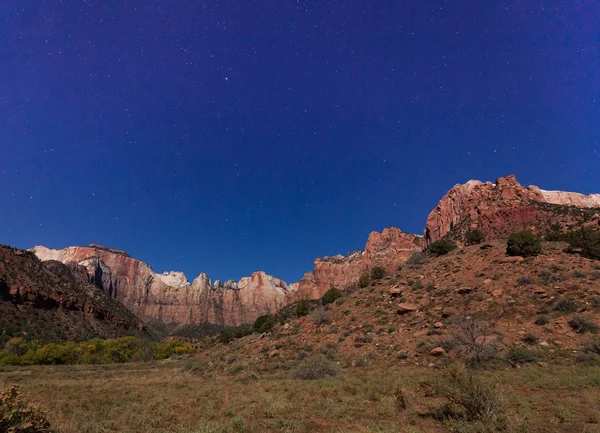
[(500, 208), (169, 297), (390, 249)]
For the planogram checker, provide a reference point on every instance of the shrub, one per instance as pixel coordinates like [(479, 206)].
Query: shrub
[(172, 348), (441, 247), (530, 339), (523, 281), (11, 360), (19, 416), (588, 359), (541, 320), (566, 306), (331, 295), (51, 354), (592, 346), (121, 349), (302, 308), (582, 324), (474, 237), (417, 259), (322, 317), (377, 273), (586, 239), (469, 396), (522, 355), (264, 323), (314, 368), (523, 244), (364, 280), (472, 339)]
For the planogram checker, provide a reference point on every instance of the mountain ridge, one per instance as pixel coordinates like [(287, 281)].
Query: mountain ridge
[(494, 208)]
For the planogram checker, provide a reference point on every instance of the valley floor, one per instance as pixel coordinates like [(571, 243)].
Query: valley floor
[(171, 396)]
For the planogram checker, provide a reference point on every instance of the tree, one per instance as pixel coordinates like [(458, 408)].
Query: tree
[(524, 244), (441, 247), (474, 237), (302, 308), (377, 273), (331, 295), (364, 280), (264, 323)]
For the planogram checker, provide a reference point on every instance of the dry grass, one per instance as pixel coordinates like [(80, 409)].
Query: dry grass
[(166, 397)]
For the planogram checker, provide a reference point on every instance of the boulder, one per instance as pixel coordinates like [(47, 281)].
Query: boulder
[(438, 351), (405, 308)]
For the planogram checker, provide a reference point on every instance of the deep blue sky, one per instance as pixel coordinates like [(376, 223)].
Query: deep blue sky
[(232, 136)]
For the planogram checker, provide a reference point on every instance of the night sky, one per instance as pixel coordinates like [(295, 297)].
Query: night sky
[(233, 136)]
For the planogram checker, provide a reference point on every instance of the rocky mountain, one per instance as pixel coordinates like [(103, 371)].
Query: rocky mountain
[(170, 297), (506, 206), (51, 301), (497, 209), (389, 249)]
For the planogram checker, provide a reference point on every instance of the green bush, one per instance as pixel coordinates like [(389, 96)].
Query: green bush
[(523, 355), (302, 308), (51, 354), (172, 348), (331, 295), (441, 247), (264, 323), (474, 237), (566, 306), (524, 244), (586, 239), (314, 368), (364, 280), (582, 324), (11, 360), (121, 349), (377, 273)]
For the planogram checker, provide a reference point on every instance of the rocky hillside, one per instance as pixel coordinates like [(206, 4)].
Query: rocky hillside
[(50, 301), (549, 304), (496, 209), (506, 206)]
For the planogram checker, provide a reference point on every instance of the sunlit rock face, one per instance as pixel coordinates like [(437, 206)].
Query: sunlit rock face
[(389, 249), (169, 297), (500, 208)]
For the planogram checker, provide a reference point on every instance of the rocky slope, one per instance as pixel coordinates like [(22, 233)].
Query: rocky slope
[(497, 209), (410, 314), (506, 206), (50, 301), (170, 298)]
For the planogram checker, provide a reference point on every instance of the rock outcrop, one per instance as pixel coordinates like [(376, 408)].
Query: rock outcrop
[(503, 207), (169, 297), (389, 249), (50, 301)]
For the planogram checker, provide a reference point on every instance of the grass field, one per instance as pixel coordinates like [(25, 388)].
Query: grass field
[(170, 396)]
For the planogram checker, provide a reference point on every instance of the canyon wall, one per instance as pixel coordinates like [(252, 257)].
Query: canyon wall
[(504, 207), (169, 297)]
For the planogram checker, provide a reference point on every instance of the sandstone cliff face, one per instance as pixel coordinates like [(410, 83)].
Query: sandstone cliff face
[(169, 297), (389, 249), (500, 208), (50, 301)]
